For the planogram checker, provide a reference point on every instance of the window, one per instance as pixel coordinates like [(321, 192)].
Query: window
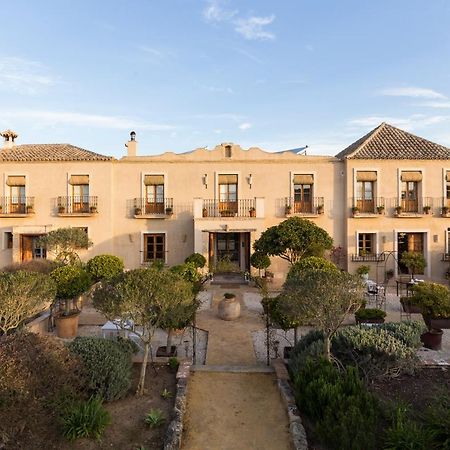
[(228, 191), (154, 194), (366, 244), (17, 202), (410, 182), (8, 239), (303, 185), (364, 193), (154, 247), (227, 151), (447, 192), (79, 193)]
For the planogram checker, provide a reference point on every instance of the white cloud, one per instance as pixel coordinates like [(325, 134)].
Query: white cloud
[(408, 123), (245, 126), (214, 12), (252, 28), (437, 105), (46, 117), (415, 92), (24, 76)]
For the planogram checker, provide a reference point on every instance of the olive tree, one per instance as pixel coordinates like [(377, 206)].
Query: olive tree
[(64, 243), (260, 261), (22, 295), (414, 262), (294, 239), (323, 299), (150, 298)]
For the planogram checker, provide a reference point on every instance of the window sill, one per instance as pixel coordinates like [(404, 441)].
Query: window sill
[(152, 216), (366, 215), (16, 215), (77, 214)]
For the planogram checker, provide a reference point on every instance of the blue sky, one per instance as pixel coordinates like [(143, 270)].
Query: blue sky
[(193, 73)]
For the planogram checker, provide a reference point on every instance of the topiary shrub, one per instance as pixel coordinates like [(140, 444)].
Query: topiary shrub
[(104, 267), (71, 281), (310, 263), (197, 259), (260, 260), (108, 365), (38, 375), (433, 299)]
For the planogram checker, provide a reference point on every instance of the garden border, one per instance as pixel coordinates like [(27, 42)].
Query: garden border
[(296, 429), (172, 439)]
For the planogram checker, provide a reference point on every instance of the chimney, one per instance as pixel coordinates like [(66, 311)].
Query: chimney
[(131, 145), (9, 137)]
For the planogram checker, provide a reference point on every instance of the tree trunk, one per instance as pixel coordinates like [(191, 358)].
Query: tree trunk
[(327, 347), (140, 388), (169, 341)]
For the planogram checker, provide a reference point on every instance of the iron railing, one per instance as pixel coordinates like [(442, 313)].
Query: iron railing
[(366, 206), (161, 206), (16, 205), (77, 204), (420, 205), (373, 257), (313, 206), (239, 208)]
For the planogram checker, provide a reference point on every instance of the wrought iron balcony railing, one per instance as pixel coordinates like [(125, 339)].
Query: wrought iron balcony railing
[(77, 204), (368, 206), (420, 205), (313, 206), (239, 208), (370, 257), (160, 206), (16, 205)]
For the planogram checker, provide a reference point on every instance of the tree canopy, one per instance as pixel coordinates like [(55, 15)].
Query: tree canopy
[(294, 239), (151, 299), (310, 263)]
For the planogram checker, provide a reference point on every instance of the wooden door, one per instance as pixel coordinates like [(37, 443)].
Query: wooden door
[(26, 247)]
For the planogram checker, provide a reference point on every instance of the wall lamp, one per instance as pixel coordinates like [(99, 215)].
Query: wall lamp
[(205, 180), (250, 180)]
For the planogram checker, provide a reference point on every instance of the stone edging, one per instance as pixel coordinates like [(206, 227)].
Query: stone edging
[(296, 428), (172, 439)]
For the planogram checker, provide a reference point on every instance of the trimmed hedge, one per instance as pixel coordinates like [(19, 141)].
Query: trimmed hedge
[(104, 267), (71, 281), (108, 365)]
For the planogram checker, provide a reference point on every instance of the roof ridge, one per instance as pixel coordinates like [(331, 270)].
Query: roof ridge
[(370, 136)]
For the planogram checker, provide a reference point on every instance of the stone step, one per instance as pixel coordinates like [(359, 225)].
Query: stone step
[(232, 369)]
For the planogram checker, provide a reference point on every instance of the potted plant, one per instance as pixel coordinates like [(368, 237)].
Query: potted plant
[(30, 209), (427, 209), (252, 211), (414, 262), (61, 209), (71, 281), (288, 210), (434, 302), (355, 210), (169, 211), (409, 306), (363, 271), (227, 213), (370, 315), (444, 211), (93, 209), (380, 209), (398, 210), (320, 209), (204, 212), (229, 307), (137, 211)]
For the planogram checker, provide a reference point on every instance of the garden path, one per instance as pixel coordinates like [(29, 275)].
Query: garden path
[(233, 402)]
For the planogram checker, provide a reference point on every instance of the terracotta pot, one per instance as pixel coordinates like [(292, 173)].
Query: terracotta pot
[(432, 339), (67, 326), (229, 308), (436, 323)]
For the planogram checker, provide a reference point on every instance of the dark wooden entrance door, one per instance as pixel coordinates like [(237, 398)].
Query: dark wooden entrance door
[(408, 242), (30, 248)]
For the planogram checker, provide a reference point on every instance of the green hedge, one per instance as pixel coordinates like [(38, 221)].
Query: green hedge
[(104, 267), (71, 281)]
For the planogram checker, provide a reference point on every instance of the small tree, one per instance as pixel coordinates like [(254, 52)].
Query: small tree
[(310, 263), (150, 298), (294, 239), (104, 267), (414, 262), (64, 243), (260, 261), (197, 259), (322, 298), (22, 295)]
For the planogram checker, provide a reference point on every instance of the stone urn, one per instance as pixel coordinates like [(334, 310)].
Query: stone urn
[(229, 307)]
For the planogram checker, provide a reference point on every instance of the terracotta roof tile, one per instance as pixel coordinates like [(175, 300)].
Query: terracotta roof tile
[(50, 152), (388, 142)]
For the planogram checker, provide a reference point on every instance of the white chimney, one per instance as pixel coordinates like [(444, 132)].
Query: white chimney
[(131, 145), (9, 137)]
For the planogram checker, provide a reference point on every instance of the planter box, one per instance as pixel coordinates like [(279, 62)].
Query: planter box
[(369, 321)]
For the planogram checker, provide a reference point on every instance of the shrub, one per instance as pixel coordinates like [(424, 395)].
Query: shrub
[(273, 307), (86, 419), (363, 270), (37, 375), (344, 413), (369, 314), (414, 261), (197, 259), (188, 271), (104, 267), (35, 265), (311, 263), (173, 363), (71, 281), (309, 346), (259, 260), (155, 418), (433, 299), (404, 434), (436, 420), (108, 365), (406, 332)]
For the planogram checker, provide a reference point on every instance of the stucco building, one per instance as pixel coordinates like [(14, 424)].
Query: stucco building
[(387, 193)]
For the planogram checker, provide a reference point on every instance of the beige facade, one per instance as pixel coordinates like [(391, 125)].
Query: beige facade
[(217, 202)]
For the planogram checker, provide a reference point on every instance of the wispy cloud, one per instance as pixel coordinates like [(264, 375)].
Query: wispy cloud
[(216, 12), (415, 92), (218, 89), (408, 123), (155, 55), (245, 126), (46, 117), (24, 76), (219, 116), (249, 55), (253, 28), (437, 105)]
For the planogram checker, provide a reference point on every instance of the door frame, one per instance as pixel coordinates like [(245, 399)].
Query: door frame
[(426, 246)]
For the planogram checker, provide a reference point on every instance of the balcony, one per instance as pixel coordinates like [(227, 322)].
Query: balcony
[(159, 209), (77, 206), (422, 206), (16, 206), (445, 208), (242, 208), (372, 257), (308, 208), (363, 207)]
